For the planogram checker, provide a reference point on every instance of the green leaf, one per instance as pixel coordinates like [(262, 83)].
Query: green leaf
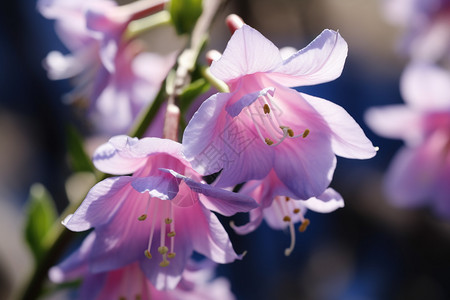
[(41, 215), (79, 159), (184, 14)]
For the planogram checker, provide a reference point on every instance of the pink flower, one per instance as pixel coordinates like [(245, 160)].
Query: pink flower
[(156, 217), (263, 125), (130, 282), (420, 171), (281, 211), (109, 72), (427, 25)]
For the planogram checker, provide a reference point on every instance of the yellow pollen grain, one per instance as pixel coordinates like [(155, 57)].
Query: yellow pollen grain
[(171, 255), (142, 217), (163, 249), (171, 234), (287, 219), (168, 220), (164, 263), (268, 141), (147, 253), (296, 210), (290, 132), (305, 133), (304, 225), (266, 109)]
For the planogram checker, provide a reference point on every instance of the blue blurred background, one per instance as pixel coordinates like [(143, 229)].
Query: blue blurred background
[(366, 250)]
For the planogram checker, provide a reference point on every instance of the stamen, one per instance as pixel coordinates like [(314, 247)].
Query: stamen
[(147, 253), (268, 141), (287, 199), (296, 210), (290, 132), (304, 225), (289, 250), (152, 230), (138, 297), (171, 234), (171, 255), (287, 219), (163, 249), (305, 133), (168, 220), (122, 298), (165, 262), (266, 109), (142, 217)]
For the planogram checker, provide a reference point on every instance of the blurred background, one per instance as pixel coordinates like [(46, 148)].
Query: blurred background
[(367, 250)]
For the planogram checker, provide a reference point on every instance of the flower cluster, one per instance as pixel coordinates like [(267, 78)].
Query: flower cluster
[(157, 210), (418, 174)]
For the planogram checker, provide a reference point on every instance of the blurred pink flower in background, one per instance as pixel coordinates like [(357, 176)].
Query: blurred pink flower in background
[(420, 172), (427, 26), (114, 77)]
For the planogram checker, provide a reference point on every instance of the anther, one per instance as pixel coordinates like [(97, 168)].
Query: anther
[(266, 108), (142, 217), (163, 249), (138, 297), (290, 132), (287, 219), (305, 133), (287, 199), (171, 254), (147, 253), (171, 234), (304, 225), (164, 263), (122, 298), (168, 220), (296, 210), (268, 141)]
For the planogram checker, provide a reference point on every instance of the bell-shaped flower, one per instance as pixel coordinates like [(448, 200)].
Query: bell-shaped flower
[(130, 282), (420, 171), (158, 216), (262, 124), (109, 72), (281, 211)]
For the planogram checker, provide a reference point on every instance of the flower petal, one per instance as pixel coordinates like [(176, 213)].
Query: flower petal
[(396, 122), (100, 205), (125, 155), (321, 61), (256, 217), (163, 187), (426, 87), (236, 108), (348, 139), (222, 201), (329, 201), (209, 237), (247, 52)]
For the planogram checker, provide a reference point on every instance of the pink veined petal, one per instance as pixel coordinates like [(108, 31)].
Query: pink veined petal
[(125, 155), (396, 122), (100, 205), (222, 201), (348, 139), (247, 52), (426, 87), (236, 108), (210, 238), (329, 201), (321, 61)]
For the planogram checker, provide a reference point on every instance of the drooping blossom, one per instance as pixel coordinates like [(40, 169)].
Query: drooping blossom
[(263, 125), (280, 211), (113, 77), (130, 282), (420, 172), (157, 216), (426, 24)]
